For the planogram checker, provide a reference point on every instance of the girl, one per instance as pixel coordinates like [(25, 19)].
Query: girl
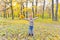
[(31, 25)]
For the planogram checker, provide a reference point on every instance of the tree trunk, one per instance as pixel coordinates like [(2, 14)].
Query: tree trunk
[(43, 9), (33, 9), (49, 12), (53, 10), (26, 9), (36, 6), (49, 15), (56, 13), (8, 15), (23, 11), (12, 10), (21, 7), (5, 11)]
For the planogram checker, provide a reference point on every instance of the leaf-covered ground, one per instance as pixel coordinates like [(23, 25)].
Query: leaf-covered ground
[(18, 30)]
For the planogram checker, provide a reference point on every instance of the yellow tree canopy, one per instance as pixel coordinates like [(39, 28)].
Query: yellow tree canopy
[(16, 8), (59, 8), (27, 9), (49, 0), (7, 0), (34, 6), (21, 1)]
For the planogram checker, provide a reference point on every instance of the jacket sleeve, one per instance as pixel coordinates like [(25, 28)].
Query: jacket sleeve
[(35, 18), (26, 19)]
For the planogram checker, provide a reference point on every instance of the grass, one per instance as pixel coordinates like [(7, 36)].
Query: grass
[(18, 29)]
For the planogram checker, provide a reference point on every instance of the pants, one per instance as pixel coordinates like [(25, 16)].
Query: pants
[(30, 29)]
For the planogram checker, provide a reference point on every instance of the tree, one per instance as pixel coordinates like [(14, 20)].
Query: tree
[(36, 6), (56, 13), (43, 9), (26, 8), (53, 10), (21, 7), (48, 9), (12, 10), (33, 8), (4, 8), (6, 4)]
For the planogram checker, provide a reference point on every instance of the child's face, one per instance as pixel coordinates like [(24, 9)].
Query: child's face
[(30, 16)]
